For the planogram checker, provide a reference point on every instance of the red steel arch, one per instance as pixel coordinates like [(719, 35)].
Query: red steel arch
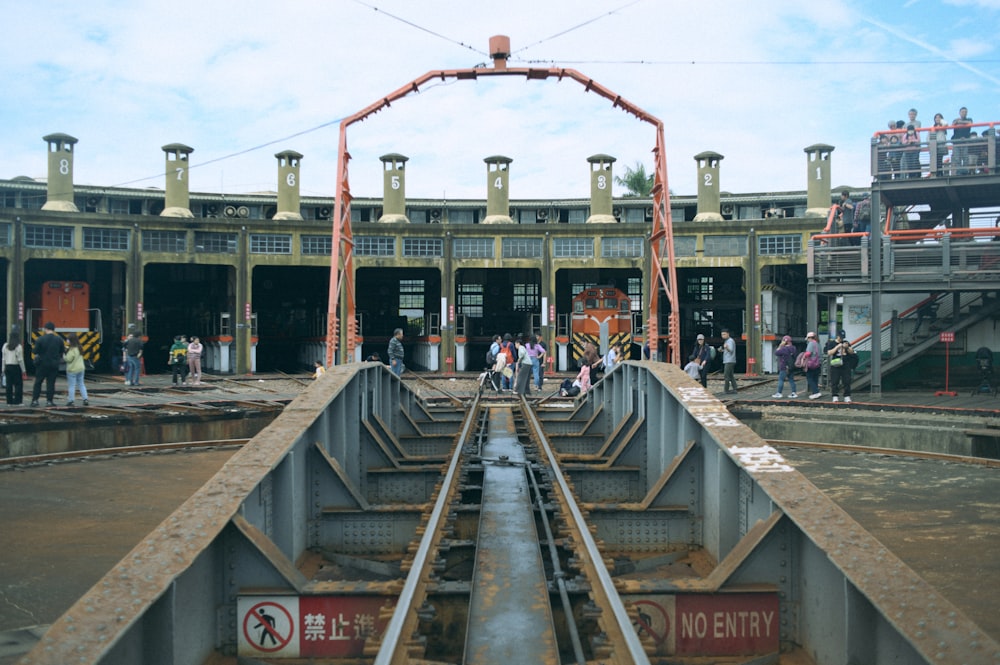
[(661, 238)]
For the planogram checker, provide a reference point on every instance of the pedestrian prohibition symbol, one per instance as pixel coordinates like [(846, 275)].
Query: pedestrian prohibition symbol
[(269, 627)]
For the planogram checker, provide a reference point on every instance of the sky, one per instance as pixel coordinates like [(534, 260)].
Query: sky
[(241, 80)]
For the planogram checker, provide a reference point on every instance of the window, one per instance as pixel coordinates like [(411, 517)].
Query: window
[(684, 245), (374, 246), (214, 243), (635, 293), (725, 245), (522, 248), (700, 288), (317, 245), (411, 294), (164, 241), (635, 216), (783, 244), (110, 239), (60, 237), (470, 300), (422, 247), (118, 206), (461, 216), (4, 235), (270, 243), (527, 298), (612, 248), (571, 248), (473, 248)]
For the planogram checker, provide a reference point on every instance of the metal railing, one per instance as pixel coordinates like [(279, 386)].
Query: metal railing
[(928, 154), (909, 256)]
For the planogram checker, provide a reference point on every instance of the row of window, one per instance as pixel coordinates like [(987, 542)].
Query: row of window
[(61, 237)]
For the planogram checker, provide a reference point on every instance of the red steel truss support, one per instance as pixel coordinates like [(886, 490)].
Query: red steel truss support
[(341, 317)]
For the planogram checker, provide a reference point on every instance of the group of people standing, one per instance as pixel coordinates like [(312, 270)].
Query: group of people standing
[(520, 361), (49, 351), (184, 359), (837, 351), (703, 354), (900, 146)]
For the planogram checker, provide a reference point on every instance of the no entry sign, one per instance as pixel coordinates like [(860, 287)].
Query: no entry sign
[(724, 624), (296, 626)]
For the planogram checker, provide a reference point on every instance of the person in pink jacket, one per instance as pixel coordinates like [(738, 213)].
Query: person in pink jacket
[(194, 352)]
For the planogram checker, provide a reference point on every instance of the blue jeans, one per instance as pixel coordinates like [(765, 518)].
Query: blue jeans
[(397, 366), (132, 370), (74, 379), (536, 371), (781, 380)]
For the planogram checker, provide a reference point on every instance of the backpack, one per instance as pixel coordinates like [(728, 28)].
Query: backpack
[(813, 362), (491, 358), (801, 360), (711, 353), (863, 210)]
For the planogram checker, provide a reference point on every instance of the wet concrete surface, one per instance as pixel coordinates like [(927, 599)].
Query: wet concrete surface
[(942, 519), (65, 525)]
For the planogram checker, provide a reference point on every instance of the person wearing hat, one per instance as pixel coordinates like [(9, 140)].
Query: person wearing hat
[(48, 351), (701, 355), (839, 351), (785, 354), (812, 373)]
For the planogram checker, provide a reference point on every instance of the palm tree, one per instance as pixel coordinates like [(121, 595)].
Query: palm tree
[(638, 184)]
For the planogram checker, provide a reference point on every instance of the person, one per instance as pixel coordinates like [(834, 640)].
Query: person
[(812, 373), (838, 350), (911, 116), (522, 379), (845, 217), (940, 136), (862, 217), (893, 154), (535, 354), (582, 379), (194, 352), (48, 353), (509, 353), (645, 351), (75, 370), (13, 369), (728, 350), (786, 353), (911, 153), (491, 355), (926, 310), (177, 359), (611, 358), (693, 369), (593, 359), (318, 369), (961, 132), (396, 352), (132, 356), (701, 355)]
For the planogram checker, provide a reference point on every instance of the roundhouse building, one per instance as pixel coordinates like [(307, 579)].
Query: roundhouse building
[(250, 274)]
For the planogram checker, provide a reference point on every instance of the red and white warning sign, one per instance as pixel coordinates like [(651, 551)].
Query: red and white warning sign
[(292, 626), (723, 624)]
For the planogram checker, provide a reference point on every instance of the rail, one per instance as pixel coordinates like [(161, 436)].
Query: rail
[(255, 562), (908, 256), (927, 152)]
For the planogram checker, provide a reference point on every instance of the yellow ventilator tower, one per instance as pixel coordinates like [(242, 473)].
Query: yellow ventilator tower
[(498, 190), (178, 194), (59, 192), (600, 189), (709, 194), (289, 206), (394, 188), (818, 180)]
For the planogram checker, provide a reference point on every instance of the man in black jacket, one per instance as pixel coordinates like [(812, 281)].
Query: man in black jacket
[(48, 351)]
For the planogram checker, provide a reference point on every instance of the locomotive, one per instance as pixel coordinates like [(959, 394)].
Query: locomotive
[(67, 305), (602, 315)]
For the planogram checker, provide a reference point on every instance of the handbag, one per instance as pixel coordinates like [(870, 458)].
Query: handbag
[(836, 361)]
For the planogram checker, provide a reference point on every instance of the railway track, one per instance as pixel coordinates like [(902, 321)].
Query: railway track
[(507, 564)]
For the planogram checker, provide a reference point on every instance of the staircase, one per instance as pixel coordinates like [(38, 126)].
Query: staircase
[(899, 347)]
